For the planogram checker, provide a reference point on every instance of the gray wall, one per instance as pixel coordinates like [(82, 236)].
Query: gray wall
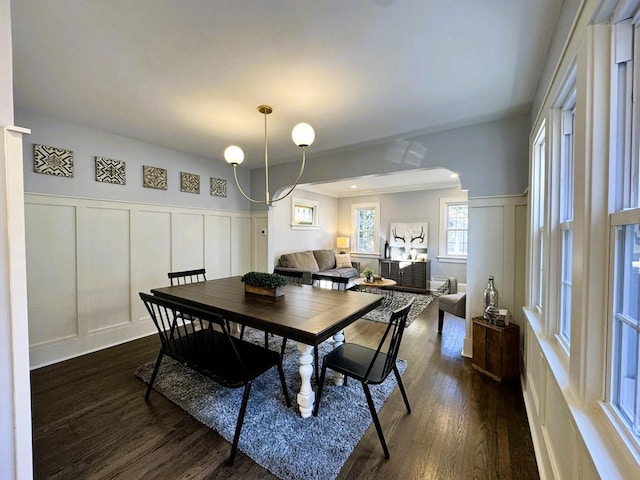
[(491, 159), (86, 143), (561, 31), (286, 240), (418, 206)]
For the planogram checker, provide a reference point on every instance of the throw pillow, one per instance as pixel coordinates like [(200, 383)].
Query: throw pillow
[(326, 259), (445, 288), (343, 260)]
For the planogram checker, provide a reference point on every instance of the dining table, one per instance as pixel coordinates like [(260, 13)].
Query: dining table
[(305, 314)]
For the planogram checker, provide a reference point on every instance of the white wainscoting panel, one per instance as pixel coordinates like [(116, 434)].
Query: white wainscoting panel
[(187, 248), (218, 241), (104, 277), (497, 228), (558, 431), (51, 272), (150, 248), (241, 246), (88, 259), (150, 256)]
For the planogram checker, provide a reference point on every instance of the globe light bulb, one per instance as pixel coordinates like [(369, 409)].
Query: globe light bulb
[(234, 155), (303, 135)]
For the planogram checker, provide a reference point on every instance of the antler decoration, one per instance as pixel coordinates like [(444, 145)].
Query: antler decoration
[(394, 232), (421, 237)]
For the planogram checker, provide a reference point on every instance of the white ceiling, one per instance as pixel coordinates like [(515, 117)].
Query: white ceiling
[(394, 182), (189, 74)]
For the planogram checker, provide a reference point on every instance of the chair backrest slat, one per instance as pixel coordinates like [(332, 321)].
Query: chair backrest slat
[(187, 276), (396, 325)]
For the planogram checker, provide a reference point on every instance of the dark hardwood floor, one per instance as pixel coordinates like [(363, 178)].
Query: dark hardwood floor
[(90, 419)]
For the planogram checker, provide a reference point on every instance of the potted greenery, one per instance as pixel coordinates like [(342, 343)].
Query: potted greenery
[(368, 275), (261, 283)]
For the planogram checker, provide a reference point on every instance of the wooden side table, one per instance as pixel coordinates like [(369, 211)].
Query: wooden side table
[(496, 350)]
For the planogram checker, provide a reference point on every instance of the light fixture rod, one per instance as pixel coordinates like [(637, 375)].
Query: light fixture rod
[(266, 112)]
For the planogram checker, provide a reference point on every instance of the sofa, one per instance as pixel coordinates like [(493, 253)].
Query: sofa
[(324, 262)]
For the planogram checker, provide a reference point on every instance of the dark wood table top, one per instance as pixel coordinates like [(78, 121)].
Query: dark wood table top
[(304, 313)]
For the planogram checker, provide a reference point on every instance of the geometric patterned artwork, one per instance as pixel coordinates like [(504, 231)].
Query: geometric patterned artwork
[(109, 170), (189, 182), (154, 177), (218, 187), (52, 161)]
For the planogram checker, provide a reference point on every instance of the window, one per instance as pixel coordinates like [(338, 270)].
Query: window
[(366, 227), (568, 115), (304, 214), (625, 233), (454, 229), (626, 325), (537, 218)]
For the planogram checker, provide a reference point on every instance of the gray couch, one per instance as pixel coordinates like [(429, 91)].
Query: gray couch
[(315, 261)]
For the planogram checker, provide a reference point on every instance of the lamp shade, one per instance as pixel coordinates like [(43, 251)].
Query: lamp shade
[(234, 155), (303, 135), (342, 242)]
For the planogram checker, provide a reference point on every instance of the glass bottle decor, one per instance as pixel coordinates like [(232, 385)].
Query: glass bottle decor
[(490, 297)]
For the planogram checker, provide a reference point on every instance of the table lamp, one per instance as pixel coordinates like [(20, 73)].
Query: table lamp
[(342, 243)]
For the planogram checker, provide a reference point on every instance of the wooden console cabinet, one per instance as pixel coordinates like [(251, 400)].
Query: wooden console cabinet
[(496, 350), (408, 274)]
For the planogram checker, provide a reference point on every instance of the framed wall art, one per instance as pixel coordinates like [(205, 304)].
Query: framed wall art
[(52, 161), (112, 171), (154, 177), (218, 187), (189, 182)]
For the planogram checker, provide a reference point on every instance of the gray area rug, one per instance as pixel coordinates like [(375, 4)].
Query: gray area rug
[(382, 313), (273, 435)]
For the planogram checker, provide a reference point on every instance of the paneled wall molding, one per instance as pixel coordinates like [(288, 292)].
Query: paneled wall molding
[(146, 205), (563, 427), (85, 297), (497, 246)]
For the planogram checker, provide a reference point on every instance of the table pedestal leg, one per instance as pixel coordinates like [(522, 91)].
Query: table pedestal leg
[(338, 339), (306, 397)]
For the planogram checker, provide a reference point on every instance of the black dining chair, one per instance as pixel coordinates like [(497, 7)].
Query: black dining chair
[(187, 335), (187, 276), (329, 281), (370, 366)]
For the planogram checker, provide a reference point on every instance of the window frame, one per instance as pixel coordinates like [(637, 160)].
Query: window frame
[(307, 204), (443, 255), (538, 223), (355, 208), (624, 210), (565, 214)]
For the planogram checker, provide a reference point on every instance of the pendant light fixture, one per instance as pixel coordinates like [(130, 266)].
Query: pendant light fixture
[(302, 135)]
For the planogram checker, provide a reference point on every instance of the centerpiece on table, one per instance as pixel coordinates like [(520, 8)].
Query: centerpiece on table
[(261, 283), (368, 275)]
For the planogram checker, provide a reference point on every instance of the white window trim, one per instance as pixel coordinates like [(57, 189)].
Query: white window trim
[(442, 235), (538, 244), (304, 203), (376, 237)]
